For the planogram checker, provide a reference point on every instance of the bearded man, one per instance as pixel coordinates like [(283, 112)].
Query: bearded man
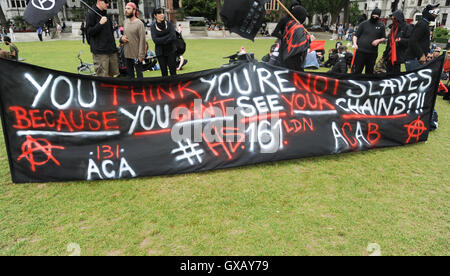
[(133, 40)]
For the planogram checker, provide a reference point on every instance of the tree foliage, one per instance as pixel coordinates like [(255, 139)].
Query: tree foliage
[(205, 8), (210, 8), (3, 21)]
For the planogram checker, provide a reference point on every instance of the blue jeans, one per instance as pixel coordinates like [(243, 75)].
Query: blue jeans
[(412, 64)]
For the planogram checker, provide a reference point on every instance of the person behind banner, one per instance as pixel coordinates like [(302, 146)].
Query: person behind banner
[(58, 31), (267, 57), (181, 49), (13, 50), (39, 33), (150, 62), (99, 34), (83, 32), (11, 33), (4, 54), (2, 32), (369, 35), (341, 66), (134, 41), (295, 43), (164, 37), (397, 44), (419, 42)]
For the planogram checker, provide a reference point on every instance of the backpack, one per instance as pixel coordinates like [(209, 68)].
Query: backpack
[(181, 45)]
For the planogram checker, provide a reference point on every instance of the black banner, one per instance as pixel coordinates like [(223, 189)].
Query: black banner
[(60, 126), (244, 17)]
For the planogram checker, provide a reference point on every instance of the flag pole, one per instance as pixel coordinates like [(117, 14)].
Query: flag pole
[(353, 60), (288, 12), (293, 17), (89, 7)]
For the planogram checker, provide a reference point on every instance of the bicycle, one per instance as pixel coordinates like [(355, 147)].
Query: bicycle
[(85, 68)]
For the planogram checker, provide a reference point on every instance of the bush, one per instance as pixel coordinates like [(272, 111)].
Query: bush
[(19, 24), (273, 16), (198, 24), (440, 40), (441, 32)]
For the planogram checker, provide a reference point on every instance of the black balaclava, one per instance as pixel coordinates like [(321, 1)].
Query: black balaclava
[(426, 12), (300, 13), (295, 3), (376, 11)]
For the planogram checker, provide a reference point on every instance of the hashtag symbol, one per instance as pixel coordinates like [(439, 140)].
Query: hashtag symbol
[(189, 151)]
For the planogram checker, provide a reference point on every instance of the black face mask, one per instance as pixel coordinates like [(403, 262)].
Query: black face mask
[(374, 19)]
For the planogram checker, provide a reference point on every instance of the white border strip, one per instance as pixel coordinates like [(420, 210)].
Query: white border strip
[(319, 112)]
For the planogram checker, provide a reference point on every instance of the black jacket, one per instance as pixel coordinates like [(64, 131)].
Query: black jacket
[(404, 33), (419, 42), (100, 37), (164, 39), (368, 32)]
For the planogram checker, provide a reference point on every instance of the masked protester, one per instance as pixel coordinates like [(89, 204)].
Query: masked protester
[(397, 44), (419, 42), (281, 26), (295, 42), (369, 35)]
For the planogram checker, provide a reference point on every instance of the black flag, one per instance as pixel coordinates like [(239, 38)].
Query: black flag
[(295, 40), (39, 11), (243, 17)]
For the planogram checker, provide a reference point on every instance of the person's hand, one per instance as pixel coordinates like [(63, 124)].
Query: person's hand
[(377, 41), (124, 39), (103, 20), (423, 59), (312, 37), (355, 46), (398, 39), (140, 60)]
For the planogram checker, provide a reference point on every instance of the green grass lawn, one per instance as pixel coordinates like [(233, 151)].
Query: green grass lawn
[(337, 205)]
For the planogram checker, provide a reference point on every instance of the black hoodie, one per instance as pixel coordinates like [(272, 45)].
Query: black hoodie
[(100, 37), (419, 42), (367, 32), (404, 33)]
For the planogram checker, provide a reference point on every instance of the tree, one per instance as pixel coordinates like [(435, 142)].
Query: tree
[(218, 8), (3, 18), (355, 13), (205, 8), (121, 12)]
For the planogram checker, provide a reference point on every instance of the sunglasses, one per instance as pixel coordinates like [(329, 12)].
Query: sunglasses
[(106, 1)]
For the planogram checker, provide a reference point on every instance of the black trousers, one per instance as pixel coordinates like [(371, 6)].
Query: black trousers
[(168, 61), (40, 37), (393, 68), (366, 60), (131, 66)]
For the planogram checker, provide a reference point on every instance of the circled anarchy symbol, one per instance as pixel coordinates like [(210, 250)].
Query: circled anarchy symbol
[(415, 129), (32, 146), (44, 5)]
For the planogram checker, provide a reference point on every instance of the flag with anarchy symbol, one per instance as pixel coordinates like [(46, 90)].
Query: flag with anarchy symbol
[(295, 40)]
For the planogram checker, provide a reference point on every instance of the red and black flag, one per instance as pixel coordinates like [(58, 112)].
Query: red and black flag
[(244, 17), (296, 40), (39, 11)]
